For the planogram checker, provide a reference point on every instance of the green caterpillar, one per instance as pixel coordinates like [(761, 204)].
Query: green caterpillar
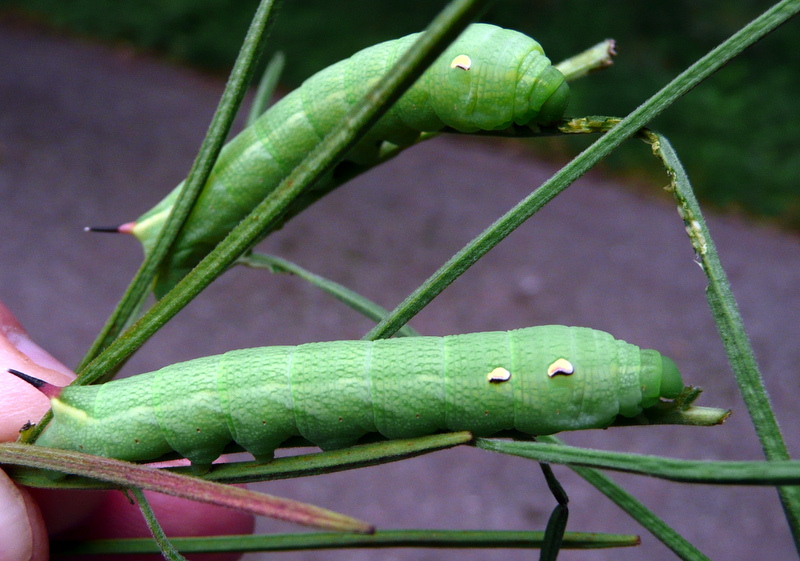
[(537, 380), (488, 79)]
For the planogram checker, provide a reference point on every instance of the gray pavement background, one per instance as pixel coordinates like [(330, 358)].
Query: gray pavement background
[(94, 135)]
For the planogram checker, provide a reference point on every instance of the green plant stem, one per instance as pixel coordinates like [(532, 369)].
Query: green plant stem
[(165, 547), (303, 465), (385, 538), (686, 471), (352, 299), (679, 545), (218, 130), (730, 325), (493, 235), (591, 60), (266, 87)]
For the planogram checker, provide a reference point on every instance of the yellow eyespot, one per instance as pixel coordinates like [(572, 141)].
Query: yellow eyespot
[(499, 374), (461, 61), (561, 366)]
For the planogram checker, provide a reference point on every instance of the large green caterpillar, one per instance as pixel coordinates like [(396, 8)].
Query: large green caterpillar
[(488, 79), (537, 380)]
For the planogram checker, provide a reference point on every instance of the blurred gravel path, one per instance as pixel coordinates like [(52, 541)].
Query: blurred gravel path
[(93, 135)]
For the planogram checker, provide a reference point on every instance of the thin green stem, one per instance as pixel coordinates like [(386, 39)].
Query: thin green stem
[(166, 548), (266, 87), (708, 472), (230, 101), (493, 235), (359, 303), (303, 465), (495, 539), (730, 325), (594, 58)]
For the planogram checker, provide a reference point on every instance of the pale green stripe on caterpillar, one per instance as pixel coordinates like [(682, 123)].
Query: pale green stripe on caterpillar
[(537, 380), (488, 79)]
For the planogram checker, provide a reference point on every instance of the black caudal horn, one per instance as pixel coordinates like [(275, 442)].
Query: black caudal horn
[(126, 228), (48, 389)]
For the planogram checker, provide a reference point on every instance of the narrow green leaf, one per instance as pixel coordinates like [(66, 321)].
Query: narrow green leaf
[(786, 472), (676, 413), (730, 325), (266, 87), (594, 58), (554, 534), (337, 460), (380, 539), (165, 547), (303, 465), (354, 300)]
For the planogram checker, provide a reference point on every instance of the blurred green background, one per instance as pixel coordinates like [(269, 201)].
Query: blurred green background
[(738, 133)]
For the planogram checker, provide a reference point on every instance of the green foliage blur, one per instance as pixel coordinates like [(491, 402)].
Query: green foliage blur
[(738, 134)]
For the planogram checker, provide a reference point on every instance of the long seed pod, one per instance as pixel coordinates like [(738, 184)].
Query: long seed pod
[(488, 79), (537, 380)]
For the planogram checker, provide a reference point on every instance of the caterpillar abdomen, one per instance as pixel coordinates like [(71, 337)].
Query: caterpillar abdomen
[(537, 380)]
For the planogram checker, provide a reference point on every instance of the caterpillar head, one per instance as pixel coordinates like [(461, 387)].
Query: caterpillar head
[(496, 77), (660, 377)]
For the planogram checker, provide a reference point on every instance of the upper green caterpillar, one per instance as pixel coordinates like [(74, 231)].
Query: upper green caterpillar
[(537, 380), (488, 79)]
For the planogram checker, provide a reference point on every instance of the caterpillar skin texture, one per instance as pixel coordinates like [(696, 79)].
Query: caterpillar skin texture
[(333, 393), (487, 79)]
